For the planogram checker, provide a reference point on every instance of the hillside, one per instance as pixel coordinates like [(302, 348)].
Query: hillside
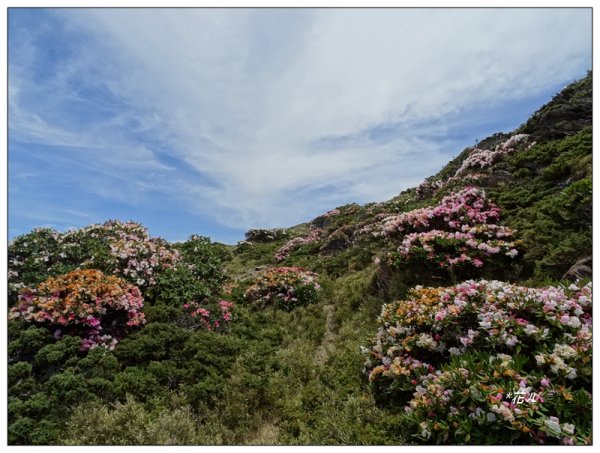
[(415, 320)]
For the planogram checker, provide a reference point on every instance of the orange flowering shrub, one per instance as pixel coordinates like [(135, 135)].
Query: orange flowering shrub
[(99, 308)]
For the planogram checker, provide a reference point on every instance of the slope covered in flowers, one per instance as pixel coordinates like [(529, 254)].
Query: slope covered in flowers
[(260, 343)]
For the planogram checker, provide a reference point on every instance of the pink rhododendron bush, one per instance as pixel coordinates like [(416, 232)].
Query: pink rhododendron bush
[(99, 308), (476, 165), (284, 288), (488, 362), (293, 244), (206, 317), (132, 253), (114, 247), (460, 233)]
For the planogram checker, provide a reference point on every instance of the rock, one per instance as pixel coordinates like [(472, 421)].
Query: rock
[(580, 270), (338, 241)]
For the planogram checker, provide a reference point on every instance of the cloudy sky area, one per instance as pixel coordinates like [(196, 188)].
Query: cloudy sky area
[(213, 121)]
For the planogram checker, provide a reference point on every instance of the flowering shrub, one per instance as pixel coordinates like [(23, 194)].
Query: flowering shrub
[(132, 253), (124, 249), (283, 287), (207, 319), (460, 230), (482, 158), (478, 159), (97, 307), (292, 244), (32, 257), (443, 353), (139, 257)]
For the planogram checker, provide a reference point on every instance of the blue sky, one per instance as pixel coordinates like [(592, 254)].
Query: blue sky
[(214, 121)]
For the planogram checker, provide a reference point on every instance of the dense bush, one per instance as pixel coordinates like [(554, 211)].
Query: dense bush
[(265, 234), (461, 232), (99, 308), (114, 247), (440, 339), (204, 259), (283, 287), (549, 202), (32, 258), (284, 251)]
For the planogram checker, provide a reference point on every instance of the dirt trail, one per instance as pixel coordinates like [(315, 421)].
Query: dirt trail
[(328, 338)]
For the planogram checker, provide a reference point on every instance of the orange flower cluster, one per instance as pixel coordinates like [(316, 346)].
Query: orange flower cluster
[(98, 307)]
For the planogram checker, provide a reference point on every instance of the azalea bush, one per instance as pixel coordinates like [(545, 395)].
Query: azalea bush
[(99, 308), (125, 249), (483, 158), (452, 355), (283, 287), (204, 316), (32, 258), (460, 232), (114, 247), (291, 245), (472, 163)]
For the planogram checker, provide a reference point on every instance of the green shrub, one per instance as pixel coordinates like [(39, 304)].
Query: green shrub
[(130, 423)]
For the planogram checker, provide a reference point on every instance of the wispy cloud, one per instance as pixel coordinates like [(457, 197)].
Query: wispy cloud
[(266, 117)]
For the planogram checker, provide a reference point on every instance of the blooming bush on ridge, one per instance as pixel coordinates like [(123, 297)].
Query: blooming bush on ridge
[(99, 308), (456, 356), (283, 287), (477, 160), (285, 250), (461, 230)]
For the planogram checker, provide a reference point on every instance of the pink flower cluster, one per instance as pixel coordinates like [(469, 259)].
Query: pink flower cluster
[(482, 158), (478, 159), (136, 256), (207, 319), (460, 229), (313, 235), (139, 259), (97, 307)]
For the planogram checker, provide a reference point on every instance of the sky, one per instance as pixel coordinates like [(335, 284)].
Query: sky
[(214, 121)]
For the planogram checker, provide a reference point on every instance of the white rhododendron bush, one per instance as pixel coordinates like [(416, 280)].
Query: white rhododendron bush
[(488, 362)]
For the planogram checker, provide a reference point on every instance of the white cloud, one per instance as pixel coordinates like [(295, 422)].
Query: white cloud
[(244, 96)]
